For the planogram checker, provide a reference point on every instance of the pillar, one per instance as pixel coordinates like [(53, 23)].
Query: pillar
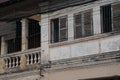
[(3, 46), (24, 34), (44, 38)]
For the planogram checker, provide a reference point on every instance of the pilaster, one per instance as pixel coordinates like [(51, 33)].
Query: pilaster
[(96, 20), (44, 38), (70, 27), (24, 34)]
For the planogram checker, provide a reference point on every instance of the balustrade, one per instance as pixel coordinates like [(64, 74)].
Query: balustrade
[(15, 60), (12, 62), (33, 58)]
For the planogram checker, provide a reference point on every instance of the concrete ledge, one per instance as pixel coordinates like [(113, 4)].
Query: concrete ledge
[(95, 59)]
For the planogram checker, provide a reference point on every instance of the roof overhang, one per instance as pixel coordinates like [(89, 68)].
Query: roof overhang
[(3, 1), (26, 8)]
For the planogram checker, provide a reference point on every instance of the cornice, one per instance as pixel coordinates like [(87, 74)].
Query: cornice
[(85, 61)]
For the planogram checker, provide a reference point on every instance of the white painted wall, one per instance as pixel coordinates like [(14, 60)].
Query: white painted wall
[(107, 44), (110, 44), (74, 50)]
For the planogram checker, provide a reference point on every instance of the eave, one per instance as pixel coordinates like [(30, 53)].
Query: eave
[(27, 8)]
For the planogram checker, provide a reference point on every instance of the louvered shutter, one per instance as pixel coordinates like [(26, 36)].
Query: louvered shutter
[(63, 29), (78, 25), (88, 23), (8, 30)]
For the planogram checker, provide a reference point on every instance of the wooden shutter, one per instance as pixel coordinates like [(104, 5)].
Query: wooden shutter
[(78, 25), (8, 30), (63, 28), (88, 23), (116, 17)]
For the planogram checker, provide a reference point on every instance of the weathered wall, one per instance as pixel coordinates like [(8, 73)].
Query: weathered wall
[(82, 48), (2, 66), (102, 45), (22, 77), (95, 71)]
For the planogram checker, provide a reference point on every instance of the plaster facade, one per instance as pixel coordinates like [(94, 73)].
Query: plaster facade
[(84, 58)]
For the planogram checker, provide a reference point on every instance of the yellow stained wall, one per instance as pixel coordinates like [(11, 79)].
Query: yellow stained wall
[(2, 66)]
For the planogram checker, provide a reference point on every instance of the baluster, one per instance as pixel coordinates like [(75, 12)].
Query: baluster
[(16, 61), (5, 63), (35, 58), (10, 63), (13, 61), (31, 58), (19, 61), (27, 59), (38, 57)]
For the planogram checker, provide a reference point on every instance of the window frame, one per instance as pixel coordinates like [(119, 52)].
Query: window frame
[(112, 16), (60, 29), (34, 34), (83, 23)]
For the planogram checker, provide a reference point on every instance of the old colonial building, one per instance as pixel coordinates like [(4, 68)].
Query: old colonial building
[(59, 40)]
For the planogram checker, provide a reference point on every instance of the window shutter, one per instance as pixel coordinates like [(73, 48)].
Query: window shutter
[(78, 26), (63, 29), (8, 30), (116, 17), (88, 23)]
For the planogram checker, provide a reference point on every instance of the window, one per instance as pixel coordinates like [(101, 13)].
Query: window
[(33, 34), (14, 44), (106, 18), (83, 24), (59, 29), (110, 18)]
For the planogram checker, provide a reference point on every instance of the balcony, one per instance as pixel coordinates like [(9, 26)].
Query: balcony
[(21, 61)]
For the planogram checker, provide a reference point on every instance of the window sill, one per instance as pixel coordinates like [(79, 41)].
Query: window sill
[(94, 37)]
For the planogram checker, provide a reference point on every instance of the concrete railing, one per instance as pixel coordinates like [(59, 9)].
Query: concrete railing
[(32, 57), (21, 60), (12, 62)]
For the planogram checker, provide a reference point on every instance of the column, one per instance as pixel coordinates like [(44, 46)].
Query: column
[(44, 38), (96, 20), (3, 46), (70, 27), (24, 34)]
